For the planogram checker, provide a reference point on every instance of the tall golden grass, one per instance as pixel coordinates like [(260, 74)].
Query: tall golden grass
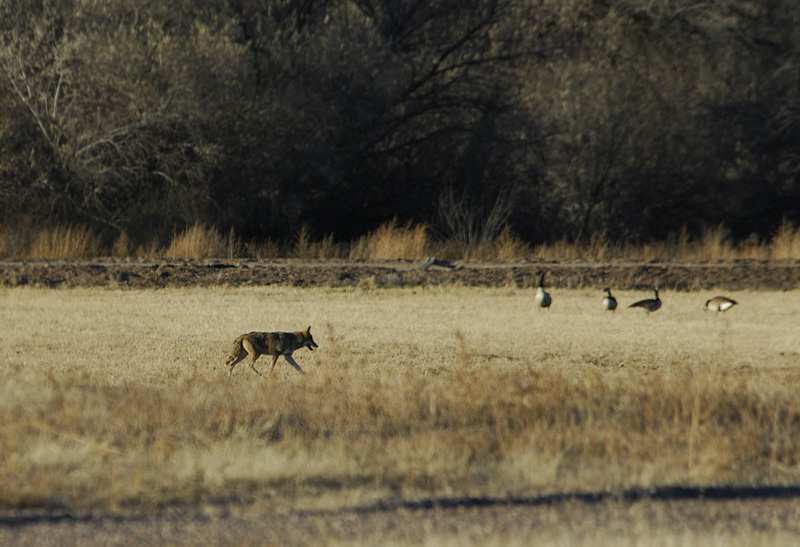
[(199, 242), (305, 247), (393, 240), (32, 241), (713, 244), (390, 241), (119, 399)]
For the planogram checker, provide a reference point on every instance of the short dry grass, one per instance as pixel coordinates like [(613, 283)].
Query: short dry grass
[(118, 399)]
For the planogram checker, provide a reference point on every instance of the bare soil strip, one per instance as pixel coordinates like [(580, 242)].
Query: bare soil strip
[(734, 275)]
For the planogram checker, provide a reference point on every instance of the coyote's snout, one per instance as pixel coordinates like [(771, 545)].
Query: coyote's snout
[(256, 344)]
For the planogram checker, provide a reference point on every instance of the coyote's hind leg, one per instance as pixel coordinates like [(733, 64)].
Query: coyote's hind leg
[(254, 354), (274, 360), (232, 362), (253, 362)]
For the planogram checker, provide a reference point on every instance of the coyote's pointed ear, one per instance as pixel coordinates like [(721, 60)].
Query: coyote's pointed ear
[(307, 331)]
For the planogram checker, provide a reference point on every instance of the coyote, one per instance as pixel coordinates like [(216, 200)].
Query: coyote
[(276, 344)]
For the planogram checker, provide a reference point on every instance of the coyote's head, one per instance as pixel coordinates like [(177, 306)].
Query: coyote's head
[(308, 340)]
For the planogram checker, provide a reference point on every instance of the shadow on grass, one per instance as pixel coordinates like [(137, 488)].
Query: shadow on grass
[(20, 518), (667, 493)]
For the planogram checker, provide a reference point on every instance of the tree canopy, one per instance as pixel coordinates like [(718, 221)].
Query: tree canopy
[(560, 119)]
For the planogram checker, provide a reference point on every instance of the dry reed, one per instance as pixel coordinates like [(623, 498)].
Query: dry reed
[(786, 242), (200, 242), (393, 241), (305, 247), (64, 242)]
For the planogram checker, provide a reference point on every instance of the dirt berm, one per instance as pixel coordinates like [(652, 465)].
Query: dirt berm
[(729, 275)]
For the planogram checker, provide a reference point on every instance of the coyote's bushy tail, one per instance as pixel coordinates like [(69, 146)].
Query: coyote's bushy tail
[(236, 351)]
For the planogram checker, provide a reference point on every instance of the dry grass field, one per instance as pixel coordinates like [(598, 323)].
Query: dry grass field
[(117, 401)]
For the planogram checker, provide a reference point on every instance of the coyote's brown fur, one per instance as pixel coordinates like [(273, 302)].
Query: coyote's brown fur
[(256, 344)]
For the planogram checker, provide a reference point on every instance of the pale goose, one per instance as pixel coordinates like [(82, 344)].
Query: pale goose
[(651, 304), (719, 304)]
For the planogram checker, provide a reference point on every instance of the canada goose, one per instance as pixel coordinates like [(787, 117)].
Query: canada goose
[(719, 304), (651, 304), (543, 299), (609, 302)]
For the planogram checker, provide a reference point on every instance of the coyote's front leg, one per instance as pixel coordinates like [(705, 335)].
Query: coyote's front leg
[(291, 362)]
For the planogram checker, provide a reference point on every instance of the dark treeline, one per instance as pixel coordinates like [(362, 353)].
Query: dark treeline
[(558, 118)]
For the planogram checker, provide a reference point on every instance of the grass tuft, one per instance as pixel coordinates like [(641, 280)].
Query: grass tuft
[(391, 241), (786, 242), (199, 241), (76, 241)]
